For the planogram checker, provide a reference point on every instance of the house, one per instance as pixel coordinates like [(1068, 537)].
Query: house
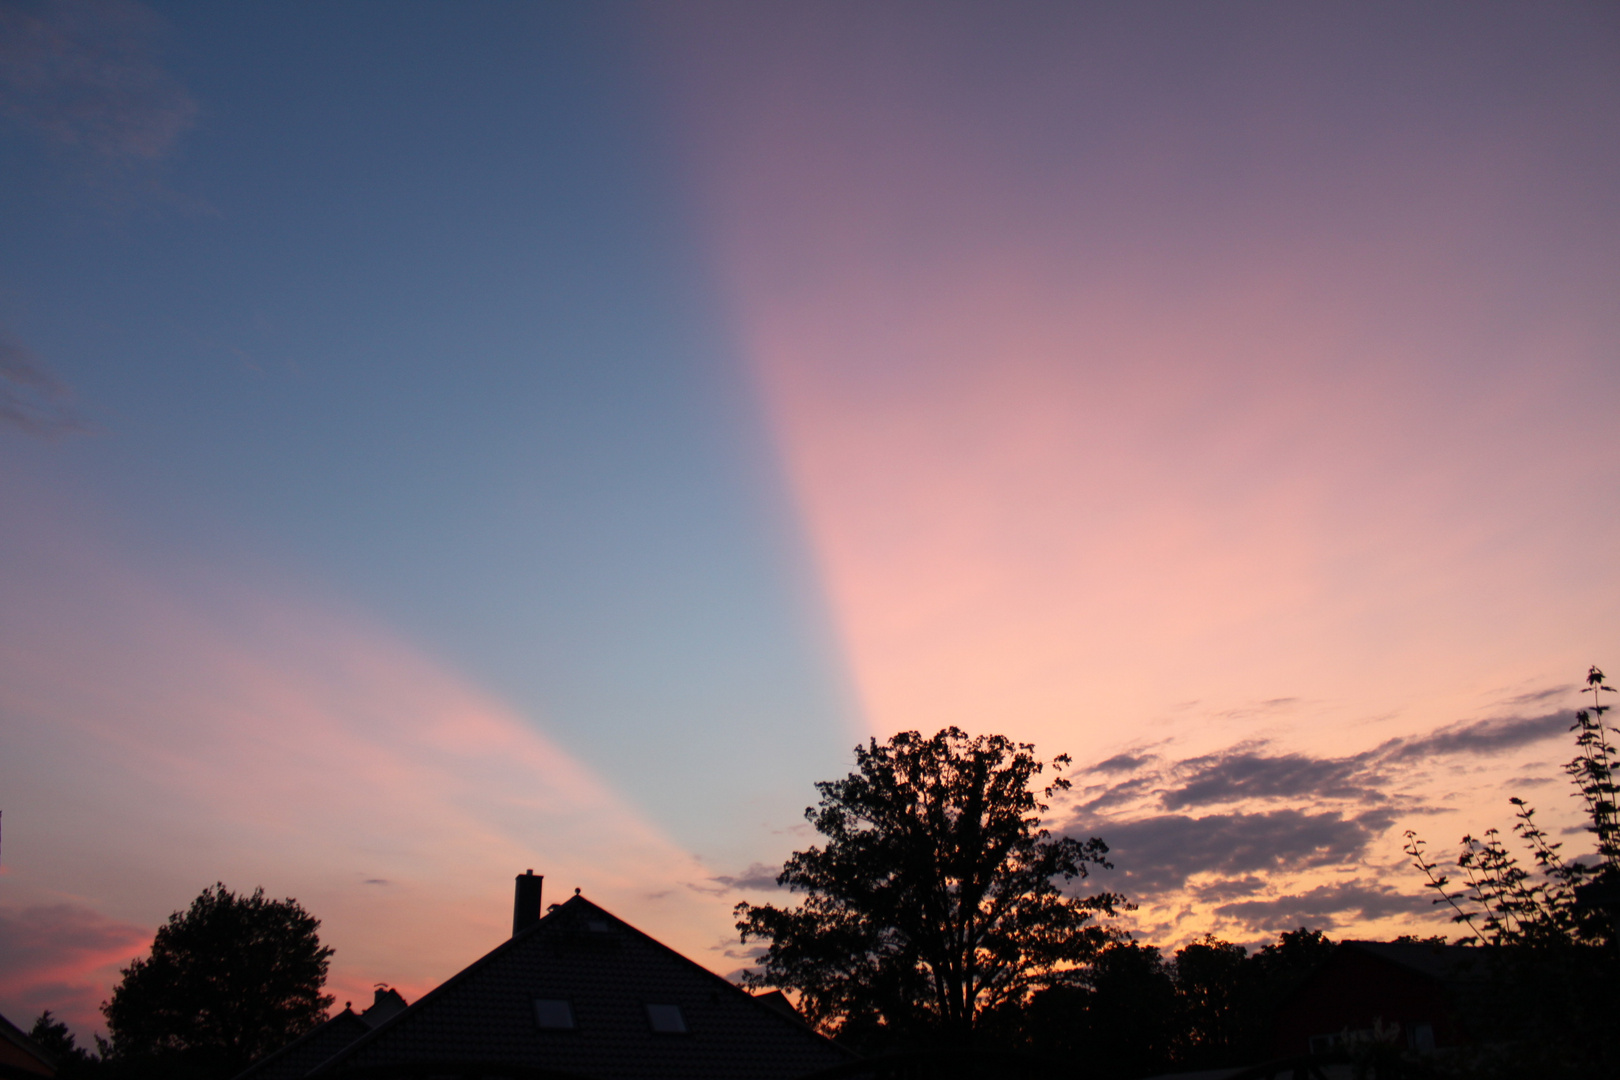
[(315, 1047), (21, 1058), (1399, 990), (577, 994)]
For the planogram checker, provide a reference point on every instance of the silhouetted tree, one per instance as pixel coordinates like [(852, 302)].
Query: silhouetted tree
[(1211, 992), (935, 902), (1274, 975), (228, 980), (54, 1037), (1119, 1020), (1214, 1005)]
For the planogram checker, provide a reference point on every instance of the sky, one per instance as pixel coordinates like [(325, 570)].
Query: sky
[(439, 440)]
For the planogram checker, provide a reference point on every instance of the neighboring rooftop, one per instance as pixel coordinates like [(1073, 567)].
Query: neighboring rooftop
[(21, 1056), (323, 1043), (1425, 958)]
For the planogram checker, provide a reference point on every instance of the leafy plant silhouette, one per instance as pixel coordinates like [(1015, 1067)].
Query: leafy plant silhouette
[(1541, 997), (1504, 903)]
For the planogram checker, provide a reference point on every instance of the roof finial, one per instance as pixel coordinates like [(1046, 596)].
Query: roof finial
[(576, 890)]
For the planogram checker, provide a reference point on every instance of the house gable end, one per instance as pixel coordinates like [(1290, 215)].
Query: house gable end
[(609, 974)]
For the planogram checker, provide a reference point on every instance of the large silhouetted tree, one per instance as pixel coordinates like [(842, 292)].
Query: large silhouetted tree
[(934, 902), (228, 980)]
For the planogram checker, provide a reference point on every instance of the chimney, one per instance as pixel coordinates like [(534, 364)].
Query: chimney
[(526, 907)]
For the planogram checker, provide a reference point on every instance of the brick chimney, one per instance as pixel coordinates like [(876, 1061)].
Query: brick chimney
[(526, 905)]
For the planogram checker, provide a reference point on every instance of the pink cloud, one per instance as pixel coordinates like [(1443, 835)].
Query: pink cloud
[(31, 398), (62, 957)]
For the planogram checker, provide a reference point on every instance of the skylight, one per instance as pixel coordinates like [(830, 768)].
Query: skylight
[(554, 1015), (666, 1019)]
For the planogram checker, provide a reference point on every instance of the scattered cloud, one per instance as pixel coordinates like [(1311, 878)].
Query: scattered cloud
[(1285, 821), (1245, 774), (1124, 763), (1104, 795), (1259, 708), (1534, 696), (86, 74), (1324, 907), (62, 957), (1247, 771), (1479, 736), (1531, 781), (759, 877), (1159, 854), (1223, 889), (31, 398)]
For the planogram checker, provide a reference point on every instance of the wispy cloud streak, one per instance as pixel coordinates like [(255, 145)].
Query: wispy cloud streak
[(87, 75), (31, 398), (63, 957), (221, 731)]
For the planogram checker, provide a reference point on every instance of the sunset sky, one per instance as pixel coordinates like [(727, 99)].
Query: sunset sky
[(438, 440)]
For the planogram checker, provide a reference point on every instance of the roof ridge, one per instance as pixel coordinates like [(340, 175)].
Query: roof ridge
[(416, 1007), (25, 1042), (1433, 960), (575, 903), (799, 1024), (276, 1055)]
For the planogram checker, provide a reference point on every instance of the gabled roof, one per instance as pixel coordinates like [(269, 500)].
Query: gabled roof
[(608, 972), (20, 1055), (310, 1049), (321, 1044), (1435, 961)]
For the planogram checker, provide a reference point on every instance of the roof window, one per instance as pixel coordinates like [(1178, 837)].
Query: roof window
[(553, 1015), (666, 1019)]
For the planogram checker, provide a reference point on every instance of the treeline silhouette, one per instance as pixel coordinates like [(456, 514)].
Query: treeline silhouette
[(1211, 1004), (1135, 1013), (937, 917)]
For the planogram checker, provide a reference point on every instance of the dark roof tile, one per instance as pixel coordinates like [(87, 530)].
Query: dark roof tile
[(1433, 960), (609, 972), (304, 1053)]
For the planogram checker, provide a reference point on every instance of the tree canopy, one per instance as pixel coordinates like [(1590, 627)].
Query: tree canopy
[(52, 1035), (230, 979), (1212, 1005), (935, 901)]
